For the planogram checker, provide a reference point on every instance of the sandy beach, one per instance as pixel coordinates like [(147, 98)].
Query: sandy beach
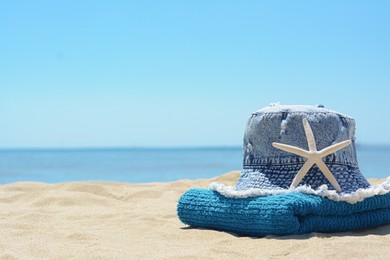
[(89, 220)]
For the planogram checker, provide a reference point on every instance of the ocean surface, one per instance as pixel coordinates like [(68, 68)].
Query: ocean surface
[(141, 165)]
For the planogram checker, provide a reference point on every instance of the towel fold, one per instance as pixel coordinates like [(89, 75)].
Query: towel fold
[(284, 214)]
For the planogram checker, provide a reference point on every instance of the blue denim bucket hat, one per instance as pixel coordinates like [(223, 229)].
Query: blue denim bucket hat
[(300, 175), (299, 148)]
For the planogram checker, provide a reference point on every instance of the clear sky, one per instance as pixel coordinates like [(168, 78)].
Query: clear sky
[(185, 73)]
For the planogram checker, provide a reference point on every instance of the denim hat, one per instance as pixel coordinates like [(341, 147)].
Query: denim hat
[(309, 149)]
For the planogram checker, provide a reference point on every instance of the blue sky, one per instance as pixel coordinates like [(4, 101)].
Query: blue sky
[(185, 73)]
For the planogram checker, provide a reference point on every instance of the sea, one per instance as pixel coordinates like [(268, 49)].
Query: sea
[(143, 165)]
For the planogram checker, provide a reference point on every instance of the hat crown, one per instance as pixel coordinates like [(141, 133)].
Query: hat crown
[(269, 167), (283, 124)]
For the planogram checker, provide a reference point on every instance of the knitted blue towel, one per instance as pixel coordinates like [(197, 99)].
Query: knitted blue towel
[(285, 214)]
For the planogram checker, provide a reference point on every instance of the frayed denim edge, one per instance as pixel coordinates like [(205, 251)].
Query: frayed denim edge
[(323, 191)]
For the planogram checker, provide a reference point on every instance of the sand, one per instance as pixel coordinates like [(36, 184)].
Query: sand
[(89, 220)]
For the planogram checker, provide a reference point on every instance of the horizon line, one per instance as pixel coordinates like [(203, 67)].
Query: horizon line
[(146, 147), (184, 147)]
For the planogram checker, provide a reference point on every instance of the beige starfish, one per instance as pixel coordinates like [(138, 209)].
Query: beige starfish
[(313, 156)]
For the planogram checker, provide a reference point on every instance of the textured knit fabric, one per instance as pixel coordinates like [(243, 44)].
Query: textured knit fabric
[(285, 214), (281, 176)]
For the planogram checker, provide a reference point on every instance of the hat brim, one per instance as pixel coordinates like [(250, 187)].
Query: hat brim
[(262, 182)]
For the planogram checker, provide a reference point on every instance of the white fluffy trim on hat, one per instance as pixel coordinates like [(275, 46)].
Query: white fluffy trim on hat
[(323, 191)]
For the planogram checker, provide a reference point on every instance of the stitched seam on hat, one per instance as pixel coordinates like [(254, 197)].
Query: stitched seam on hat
[(250, 166), (293, 161)]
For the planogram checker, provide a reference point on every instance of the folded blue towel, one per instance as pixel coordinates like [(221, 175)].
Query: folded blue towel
[(285, 214)]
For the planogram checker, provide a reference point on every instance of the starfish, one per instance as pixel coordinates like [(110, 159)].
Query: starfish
[(313, 156)]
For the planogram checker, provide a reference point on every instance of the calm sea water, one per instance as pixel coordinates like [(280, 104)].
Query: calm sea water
[(145, 165)]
